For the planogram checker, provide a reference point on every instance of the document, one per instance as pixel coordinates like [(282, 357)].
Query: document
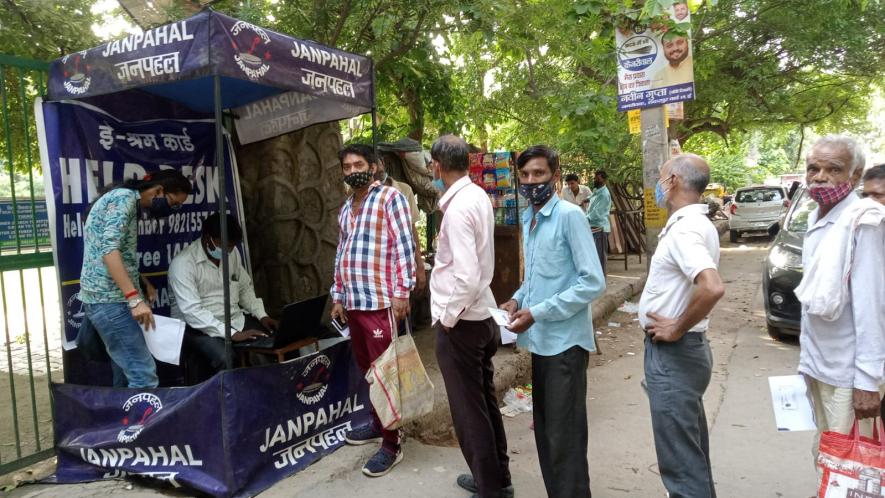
[(792, 408), (502, 318), (164, 341)]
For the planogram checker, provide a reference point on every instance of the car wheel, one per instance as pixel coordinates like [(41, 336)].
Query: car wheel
[(774, 332), (733, 235)]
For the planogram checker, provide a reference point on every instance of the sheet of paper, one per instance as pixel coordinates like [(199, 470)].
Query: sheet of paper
[(792, 408), (164, 341), (507, 337), (501, 317), (345, 332)]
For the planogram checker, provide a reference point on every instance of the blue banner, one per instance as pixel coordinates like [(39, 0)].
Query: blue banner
[(86, 150), (233, 435)]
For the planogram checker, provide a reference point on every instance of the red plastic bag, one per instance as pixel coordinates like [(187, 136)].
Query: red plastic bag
[(852, 466)]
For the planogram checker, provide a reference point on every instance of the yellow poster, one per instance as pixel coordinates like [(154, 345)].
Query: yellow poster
[(655, 217), (635, 121)]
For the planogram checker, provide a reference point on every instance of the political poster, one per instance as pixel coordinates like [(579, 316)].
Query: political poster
[(655, 62), (85, 150), (234, 435)]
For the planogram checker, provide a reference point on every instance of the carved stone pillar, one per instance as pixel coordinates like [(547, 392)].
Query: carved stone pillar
[(292, 190)]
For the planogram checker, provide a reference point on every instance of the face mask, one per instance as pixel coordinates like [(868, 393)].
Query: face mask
[(439, 185), (359, 179), (536, 193), (830, 196), (160, 207), (215, 252), (660, 194), (597, 184)]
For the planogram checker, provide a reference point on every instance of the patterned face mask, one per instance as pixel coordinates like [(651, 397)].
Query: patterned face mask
[(359, 179), (536, 193), (830, 196)]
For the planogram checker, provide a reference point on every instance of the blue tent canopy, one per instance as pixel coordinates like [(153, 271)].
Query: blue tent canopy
[(179, 60)]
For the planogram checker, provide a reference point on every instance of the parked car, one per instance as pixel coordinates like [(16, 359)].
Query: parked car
[(755, 210), (782, 268)]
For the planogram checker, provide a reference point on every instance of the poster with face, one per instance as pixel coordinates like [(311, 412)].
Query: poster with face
[(655, 65)]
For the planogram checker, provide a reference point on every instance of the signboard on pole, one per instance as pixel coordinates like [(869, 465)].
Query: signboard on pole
[(634, 119), (655, 67)]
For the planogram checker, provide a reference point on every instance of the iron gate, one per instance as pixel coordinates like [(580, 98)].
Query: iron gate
[(29, 308)]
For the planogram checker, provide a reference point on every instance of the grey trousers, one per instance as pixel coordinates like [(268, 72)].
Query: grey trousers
[(676, 376), (559, 405), (600, 239)]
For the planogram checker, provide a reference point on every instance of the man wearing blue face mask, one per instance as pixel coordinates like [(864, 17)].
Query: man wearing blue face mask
[(683, 286), (551, 314), (196, 281)]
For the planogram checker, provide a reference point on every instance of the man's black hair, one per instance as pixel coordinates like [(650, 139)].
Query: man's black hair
[(877, 172), (212, 228), (571, 177), (451, 152), (539, 151), (602, 174), (362, 150)]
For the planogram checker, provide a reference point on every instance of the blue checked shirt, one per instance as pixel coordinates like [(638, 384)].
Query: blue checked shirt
[(375, 261)]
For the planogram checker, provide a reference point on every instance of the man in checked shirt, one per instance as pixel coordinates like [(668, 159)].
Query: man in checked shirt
[(374, 273)]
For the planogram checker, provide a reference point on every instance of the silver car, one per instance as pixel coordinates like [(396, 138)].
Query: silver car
[(755, 210)]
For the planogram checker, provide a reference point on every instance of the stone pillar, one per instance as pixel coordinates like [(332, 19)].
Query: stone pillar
[(292, 191)]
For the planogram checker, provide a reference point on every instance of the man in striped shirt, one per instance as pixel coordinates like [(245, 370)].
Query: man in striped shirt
[(374, 274)]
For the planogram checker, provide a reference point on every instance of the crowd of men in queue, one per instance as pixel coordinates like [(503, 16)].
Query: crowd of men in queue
[(378, 263)]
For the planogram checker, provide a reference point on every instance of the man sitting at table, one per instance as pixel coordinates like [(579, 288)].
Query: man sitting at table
[(196, 281)]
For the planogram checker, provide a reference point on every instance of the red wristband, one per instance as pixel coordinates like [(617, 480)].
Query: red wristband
[(130, 294)]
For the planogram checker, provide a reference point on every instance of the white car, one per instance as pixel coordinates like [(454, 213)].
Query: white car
[(755, 209)]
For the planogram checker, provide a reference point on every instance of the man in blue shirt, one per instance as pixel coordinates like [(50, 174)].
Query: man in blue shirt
[(598, 215), (551, 314)]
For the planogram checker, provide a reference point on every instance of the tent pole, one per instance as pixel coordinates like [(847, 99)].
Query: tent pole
[(374, 114), (222, 212)]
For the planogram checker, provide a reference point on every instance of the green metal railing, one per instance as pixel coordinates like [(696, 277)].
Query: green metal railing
[(25, 403)]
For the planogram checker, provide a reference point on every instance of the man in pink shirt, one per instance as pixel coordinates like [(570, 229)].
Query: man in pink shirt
[(467, 337)]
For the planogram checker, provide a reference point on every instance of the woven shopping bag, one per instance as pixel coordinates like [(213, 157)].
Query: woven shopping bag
[(852, 466), (399, 387)]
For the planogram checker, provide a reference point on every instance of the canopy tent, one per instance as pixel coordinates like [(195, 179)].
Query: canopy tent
[(209, 62)]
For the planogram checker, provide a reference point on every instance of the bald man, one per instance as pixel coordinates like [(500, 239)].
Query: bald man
[(682, 288)]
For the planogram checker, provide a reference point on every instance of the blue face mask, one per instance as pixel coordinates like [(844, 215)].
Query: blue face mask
[(160, 207), (660, 195), (215, 252), (439, 185)]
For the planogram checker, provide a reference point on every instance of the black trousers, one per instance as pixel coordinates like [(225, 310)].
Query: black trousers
[(209, 351), (559, 399), (601, 240), (465, 356)]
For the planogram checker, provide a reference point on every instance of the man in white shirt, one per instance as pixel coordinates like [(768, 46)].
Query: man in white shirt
[(575, 193), (842, 358), (466, 335), (683, 287), (196, 281)]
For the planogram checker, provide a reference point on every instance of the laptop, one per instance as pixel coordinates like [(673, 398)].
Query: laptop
[(299, 321)]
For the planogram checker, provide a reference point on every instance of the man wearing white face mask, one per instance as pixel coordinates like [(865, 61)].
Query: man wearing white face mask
[(196, 281), (842, 291)]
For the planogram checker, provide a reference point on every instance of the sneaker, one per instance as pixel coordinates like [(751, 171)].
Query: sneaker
[(363, 435), (382, 462), (465, 481)]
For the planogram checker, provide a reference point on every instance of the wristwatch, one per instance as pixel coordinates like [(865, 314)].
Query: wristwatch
[(135, 301)]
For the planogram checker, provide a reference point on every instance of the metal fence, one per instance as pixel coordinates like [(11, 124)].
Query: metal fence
[(29, 310)]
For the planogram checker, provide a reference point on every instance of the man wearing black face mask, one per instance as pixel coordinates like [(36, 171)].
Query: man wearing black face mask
[(374, 274), (196, 281), (598, 213), (550, 313)]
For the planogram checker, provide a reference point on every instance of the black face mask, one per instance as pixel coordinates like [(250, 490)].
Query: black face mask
[(597, 184), (160, 207), (536, 193), (359, 179)]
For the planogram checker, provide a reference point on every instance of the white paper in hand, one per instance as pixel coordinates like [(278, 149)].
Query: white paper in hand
[(500, 316), (792, 408), (164, 341)]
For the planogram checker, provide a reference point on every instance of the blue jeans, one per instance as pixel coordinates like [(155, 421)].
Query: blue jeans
[(131, 362), (676, 376)]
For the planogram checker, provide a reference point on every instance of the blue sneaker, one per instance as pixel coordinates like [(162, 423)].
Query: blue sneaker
[(363, 435), (382, 462)]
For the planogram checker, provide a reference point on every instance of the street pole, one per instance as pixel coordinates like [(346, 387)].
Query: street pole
[(655, 152)]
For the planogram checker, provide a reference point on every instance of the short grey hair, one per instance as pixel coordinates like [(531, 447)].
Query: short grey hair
[(452, 152), (855, 150), (684, 166)]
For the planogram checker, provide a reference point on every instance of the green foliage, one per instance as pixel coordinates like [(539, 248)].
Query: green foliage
[(45, 30)]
